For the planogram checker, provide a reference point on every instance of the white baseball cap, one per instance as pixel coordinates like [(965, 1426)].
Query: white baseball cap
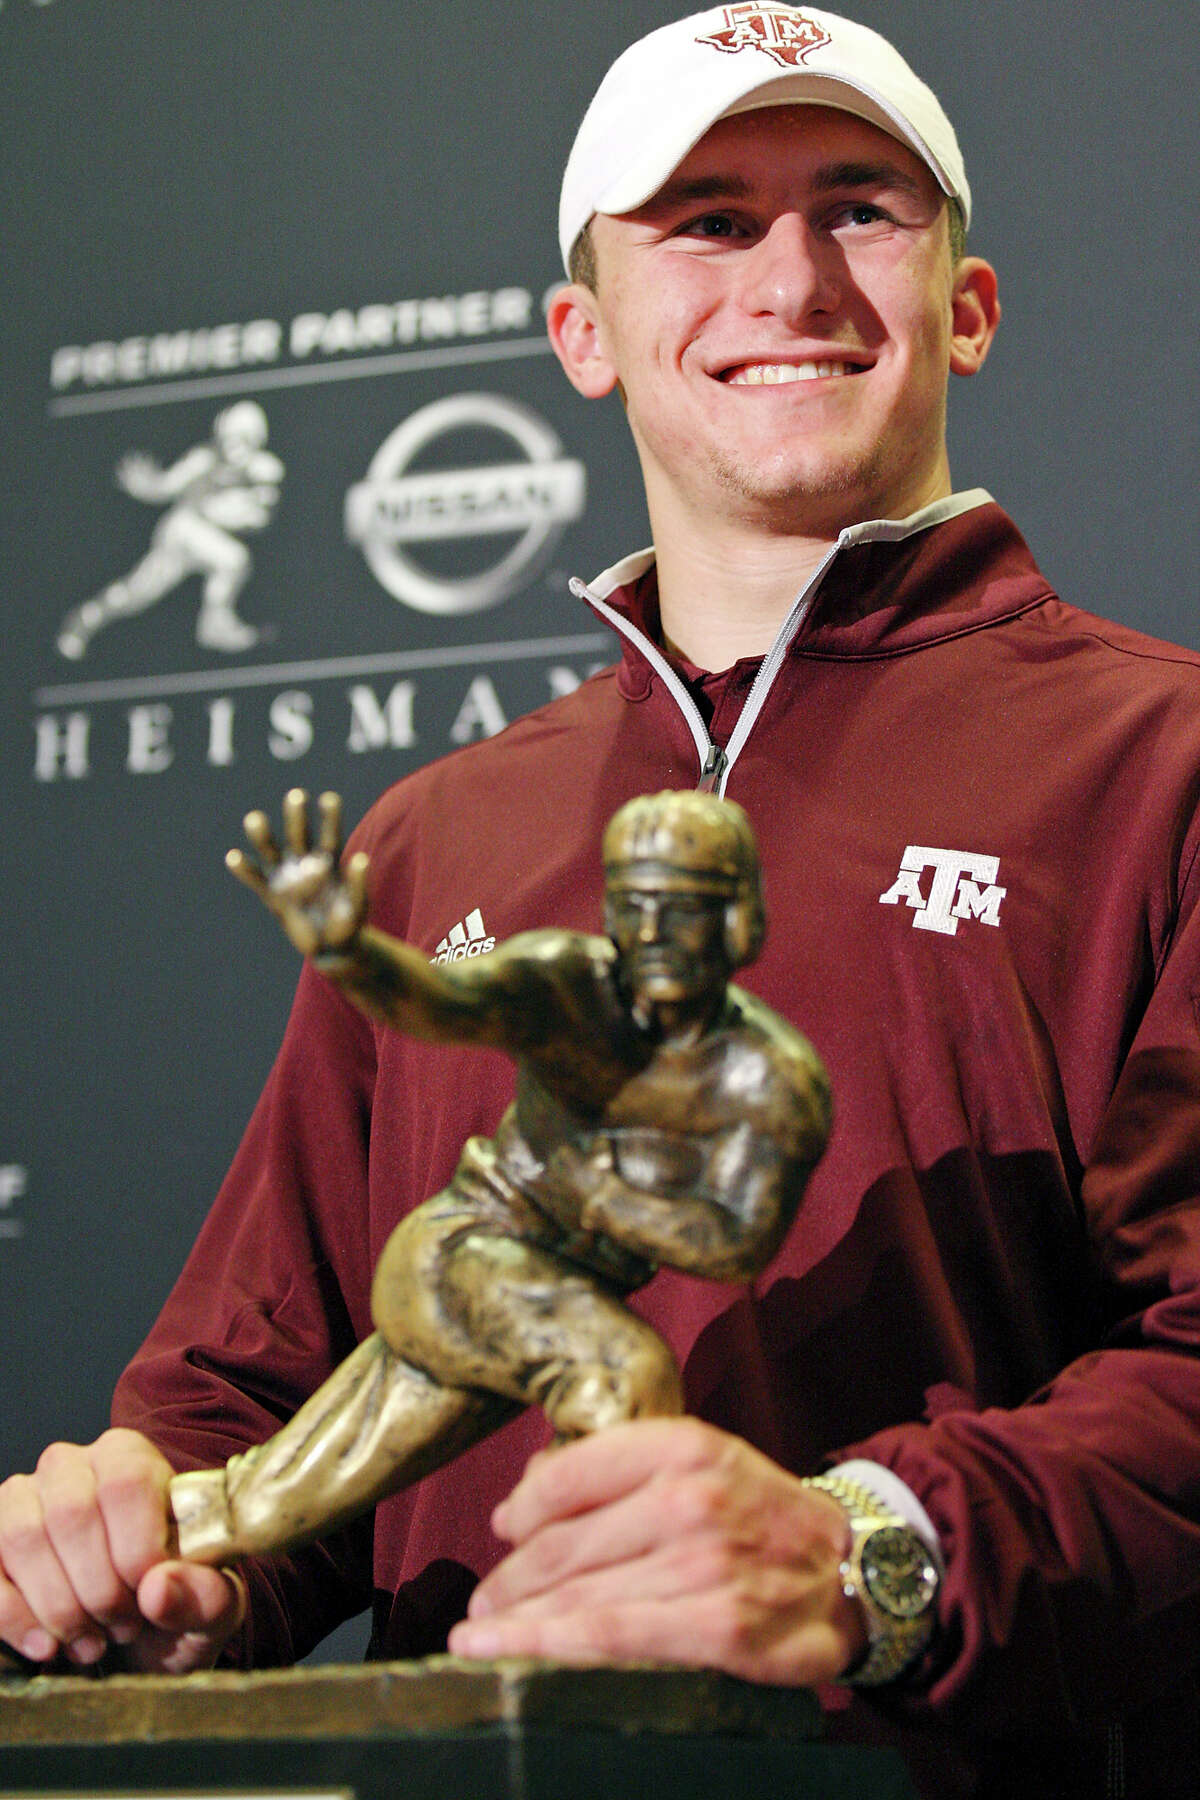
[(664, 92)]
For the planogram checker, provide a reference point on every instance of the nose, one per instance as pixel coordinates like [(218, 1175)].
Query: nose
[(791, 273), (647, 930)]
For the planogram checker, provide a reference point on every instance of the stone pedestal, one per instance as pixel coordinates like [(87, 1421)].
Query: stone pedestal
[(435, 1730)]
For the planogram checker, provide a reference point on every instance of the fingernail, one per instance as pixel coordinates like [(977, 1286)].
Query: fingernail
[(123, 1634), (89, 1647), (39, 1646)]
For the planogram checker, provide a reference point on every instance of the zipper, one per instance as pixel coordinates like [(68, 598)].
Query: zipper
[(772, 662), (716, 763), (713, 760)]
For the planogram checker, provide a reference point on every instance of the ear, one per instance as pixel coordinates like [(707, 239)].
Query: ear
[(573, 321), (741, 934), (975, 314)]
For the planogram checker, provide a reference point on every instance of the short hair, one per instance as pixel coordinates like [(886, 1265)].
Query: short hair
[(581, 264)]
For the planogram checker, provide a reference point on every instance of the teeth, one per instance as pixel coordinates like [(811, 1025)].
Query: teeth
[(778, 374)]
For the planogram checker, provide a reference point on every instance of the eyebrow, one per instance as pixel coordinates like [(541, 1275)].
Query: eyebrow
[(828, 178), (867, 174), (699, 187)]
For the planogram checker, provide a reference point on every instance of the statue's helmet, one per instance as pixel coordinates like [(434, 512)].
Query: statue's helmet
[(244, 422), (695, 842)]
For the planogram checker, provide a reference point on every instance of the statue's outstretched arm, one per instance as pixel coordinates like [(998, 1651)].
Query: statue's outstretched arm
[(322, 908), (142, 477)]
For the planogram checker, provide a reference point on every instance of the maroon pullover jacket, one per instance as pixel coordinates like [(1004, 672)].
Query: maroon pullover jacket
[(977, 810)]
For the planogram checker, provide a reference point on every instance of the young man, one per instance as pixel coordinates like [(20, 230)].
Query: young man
[(977, 812)]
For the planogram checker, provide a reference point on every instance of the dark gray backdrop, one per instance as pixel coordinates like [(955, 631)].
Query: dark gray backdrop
[(172, 167)]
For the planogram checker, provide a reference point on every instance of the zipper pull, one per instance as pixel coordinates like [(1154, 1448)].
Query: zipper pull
[(715, 764)]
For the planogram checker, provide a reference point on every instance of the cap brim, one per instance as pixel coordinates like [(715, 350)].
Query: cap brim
[(665, 152)]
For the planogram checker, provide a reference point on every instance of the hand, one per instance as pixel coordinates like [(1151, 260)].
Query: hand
[(319, 906), (668, 1541), (139, 475), (84, 1564)]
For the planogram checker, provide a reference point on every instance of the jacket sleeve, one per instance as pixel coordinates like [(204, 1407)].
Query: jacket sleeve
[(272, 1297), (1071, 1524)]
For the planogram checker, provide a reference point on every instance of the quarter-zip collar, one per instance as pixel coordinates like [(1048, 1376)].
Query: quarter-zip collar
[(884, 587)]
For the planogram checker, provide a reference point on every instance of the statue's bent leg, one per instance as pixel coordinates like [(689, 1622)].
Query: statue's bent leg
[(375, 1425), (155, 575), (484, 1310)]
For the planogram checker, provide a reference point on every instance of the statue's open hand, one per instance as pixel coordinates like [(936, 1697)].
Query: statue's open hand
[(138, 474), (319, 904)]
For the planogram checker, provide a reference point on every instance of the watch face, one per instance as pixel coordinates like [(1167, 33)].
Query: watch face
[(898, 1572)]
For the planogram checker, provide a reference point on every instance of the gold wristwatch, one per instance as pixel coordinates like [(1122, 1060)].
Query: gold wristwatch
[(890, 1571)]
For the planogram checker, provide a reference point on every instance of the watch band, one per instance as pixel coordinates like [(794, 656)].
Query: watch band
[(890, 1571)]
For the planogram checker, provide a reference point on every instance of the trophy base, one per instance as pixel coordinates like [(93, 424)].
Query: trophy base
[(509, 1730)]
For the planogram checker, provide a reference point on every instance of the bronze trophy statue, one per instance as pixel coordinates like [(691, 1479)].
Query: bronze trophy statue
[(662, 1117)]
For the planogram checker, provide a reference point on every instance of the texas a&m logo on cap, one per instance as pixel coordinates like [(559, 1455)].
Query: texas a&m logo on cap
[(781, 32)]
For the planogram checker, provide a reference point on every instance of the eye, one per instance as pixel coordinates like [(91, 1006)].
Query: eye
[(687, 906), (861, 212), (711, 225)]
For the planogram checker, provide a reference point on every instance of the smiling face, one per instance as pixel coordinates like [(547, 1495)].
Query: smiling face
[(781, 318)]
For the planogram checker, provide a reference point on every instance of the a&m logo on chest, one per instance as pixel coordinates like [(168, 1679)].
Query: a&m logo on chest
[(780, 32), (963, 886)]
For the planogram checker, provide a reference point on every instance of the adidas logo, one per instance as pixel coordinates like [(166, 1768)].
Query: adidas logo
[(468, 938)]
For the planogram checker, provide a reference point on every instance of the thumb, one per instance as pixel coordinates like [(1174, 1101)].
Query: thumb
[(191, 1611)]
